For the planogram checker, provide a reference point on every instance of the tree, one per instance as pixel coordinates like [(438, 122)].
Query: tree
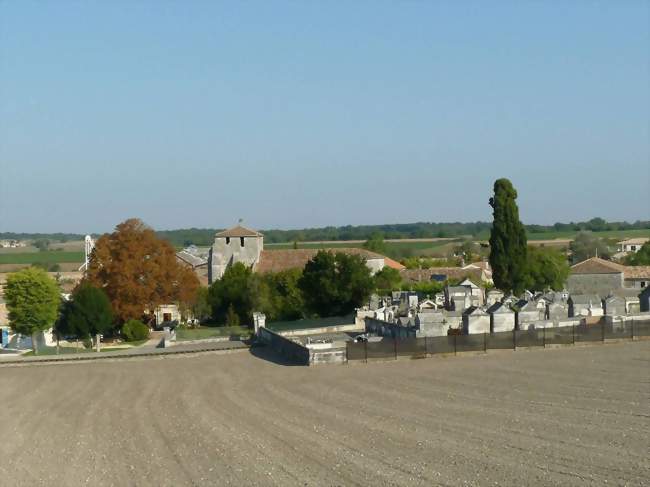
[(232, 318), (387, 279), (641, 257), (33, 300), (201, 306), (90, 313), (139, 271), (508, 248), (587, 245), (135, 330), (285, 297), (375, 243), (42, 244), (335, 284), (547, 268), (239, 288)]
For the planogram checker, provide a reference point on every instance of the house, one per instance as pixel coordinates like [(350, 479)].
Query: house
[(502, 318), (631, 244), (599, 276), (475, 320), (241, 244), (585, 305), (197, 260)]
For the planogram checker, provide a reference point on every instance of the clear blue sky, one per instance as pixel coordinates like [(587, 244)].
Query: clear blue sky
[(294, 114)]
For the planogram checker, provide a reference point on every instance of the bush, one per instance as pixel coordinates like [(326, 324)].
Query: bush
[(134, 330)]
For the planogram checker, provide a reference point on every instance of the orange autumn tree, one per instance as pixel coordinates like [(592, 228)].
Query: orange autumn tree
[(139, 271)]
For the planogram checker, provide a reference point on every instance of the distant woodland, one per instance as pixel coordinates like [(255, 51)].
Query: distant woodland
[(204, 236)]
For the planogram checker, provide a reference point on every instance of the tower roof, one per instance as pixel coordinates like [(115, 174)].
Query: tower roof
[(238, 231)]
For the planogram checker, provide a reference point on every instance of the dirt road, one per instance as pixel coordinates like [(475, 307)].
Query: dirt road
[(577, 416)]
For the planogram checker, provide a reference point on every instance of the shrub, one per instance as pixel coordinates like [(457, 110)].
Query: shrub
[(134, 330)]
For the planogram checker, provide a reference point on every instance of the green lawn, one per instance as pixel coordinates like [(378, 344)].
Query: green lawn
[(47, 257), (210, 332)]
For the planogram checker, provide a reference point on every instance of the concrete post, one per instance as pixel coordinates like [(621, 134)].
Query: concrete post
[(259, 321)]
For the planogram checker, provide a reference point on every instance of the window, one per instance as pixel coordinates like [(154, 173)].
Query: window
[(642, 283), (241, 241), (227, 240)]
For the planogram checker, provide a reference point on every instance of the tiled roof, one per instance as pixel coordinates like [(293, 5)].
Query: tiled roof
[(280, 260), (596, 265), (636, 272), (634, 241), (238, 231)]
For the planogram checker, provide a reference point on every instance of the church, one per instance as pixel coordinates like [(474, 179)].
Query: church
[(241, 244)]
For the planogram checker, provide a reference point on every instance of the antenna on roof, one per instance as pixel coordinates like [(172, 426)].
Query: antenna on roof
[(241, 220)]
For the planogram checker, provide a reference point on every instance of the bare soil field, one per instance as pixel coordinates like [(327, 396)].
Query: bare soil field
[(572, 416)]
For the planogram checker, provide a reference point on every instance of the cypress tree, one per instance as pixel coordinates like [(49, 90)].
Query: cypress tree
[(508, 245)]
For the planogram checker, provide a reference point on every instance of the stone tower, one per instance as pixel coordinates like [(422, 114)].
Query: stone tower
[(237, 244)]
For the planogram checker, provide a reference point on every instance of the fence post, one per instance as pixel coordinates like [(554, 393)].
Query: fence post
[(632, 329), (455, 344), (514, 339), (544, 337), (573, 333), (602, 329), (365, 349), (484, 342)]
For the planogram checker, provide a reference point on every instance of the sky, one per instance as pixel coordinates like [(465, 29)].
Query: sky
[(313, 113)]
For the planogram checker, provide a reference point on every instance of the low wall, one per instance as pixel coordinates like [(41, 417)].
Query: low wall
[(352, 327), (301, 354)]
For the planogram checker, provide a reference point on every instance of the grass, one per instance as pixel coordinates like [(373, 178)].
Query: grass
[(210, 332), (310, 323), (47, 257)]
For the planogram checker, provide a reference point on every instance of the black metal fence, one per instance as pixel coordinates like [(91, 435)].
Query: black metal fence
[(390, 348)]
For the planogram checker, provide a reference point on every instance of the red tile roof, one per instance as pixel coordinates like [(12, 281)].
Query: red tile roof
[(238, 231), (280, 260), (596, 265)]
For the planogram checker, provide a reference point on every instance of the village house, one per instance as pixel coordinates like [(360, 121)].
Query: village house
[(600, 276), (632, 244)]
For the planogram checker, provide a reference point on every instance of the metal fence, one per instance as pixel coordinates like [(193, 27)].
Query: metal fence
[(390, 348)]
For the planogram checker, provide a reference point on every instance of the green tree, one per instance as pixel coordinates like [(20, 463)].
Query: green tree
[(547, 268), (508, 248), (201, 307), (42, 244), (335, 284), (285, 297), (387, 279), (240, 288), (641, 257), (90, 314), (587, 245), (232, 318), (33, 300), (375, 243)]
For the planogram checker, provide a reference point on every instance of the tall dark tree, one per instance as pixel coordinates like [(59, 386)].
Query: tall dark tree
[(90, 313), (508, 247)]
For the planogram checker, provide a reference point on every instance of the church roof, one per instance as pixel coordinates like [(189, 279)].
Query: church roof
[(238, 231), (596, 265), (280, 260)]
